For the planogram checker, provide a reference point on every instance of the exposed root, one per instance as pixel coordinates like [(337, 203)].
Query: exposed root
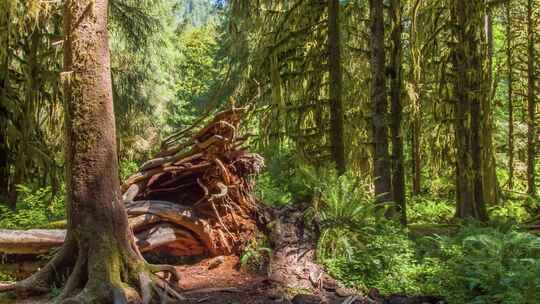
[(167, 269), (204, 178), (76, 279), (50, 275), (155, 285)]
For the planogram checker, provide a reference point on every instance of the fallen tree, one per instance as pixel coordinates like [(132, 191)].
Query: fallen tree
[(195, 196), (193, 199)]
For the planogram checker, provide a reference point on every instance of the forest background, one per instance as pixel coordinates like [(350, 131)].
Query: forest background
[(328, 113)]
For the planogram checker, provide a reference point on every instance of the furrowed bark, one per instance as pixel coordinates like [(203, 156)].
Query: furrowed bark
[(398, 171), (381, 157), (334, 65)]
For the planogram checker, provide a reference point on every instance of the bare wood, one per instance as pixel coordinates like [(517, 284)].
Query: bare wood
[(165, 234), (132, 191), (181, 215), (34, 241)]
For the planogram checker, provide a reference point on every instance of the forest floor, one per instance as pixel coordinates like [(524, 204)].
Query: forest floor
[(221, 281)]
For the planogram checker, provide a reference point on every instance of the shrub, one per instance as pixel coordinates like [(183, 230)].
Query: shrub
[(425, 210), (374, 263), (343, 211), (284, 180), (509, 211), (34, 208), (256, 256), (492, 265), (127, 168)]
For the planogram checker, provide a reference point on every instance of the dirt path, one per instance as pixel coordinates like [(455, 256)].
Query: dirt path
[(221, 281)]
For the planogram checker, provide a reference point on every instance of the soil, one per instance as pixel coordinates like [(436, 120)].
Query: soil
[(221, 280)]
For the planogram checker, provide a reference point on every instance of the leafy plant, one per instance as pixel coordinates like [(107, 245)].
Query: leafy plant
[(256, 255), (35, 208), (493, 264), (343, 211), (425, 210), (128, 168), (284, 181)]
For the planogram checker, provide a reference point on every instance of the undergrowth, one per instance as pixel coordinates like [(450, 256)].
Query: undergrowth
[(35, 208), (464, 262)]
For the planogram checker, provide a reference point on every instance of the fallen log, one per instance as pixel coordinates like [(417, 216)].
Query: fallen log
[(293, 263), (34, 241), (41, 241), (193, 198)]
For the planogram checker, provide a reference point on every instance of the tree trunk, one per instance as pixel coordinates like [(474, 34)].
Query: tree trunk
[(490, 184), (531, 91), (381, 162), (4, 77), (334, 65), (509, 62), (416, 124), (469, 93), (398, 173), (4, 164), (4, 152)]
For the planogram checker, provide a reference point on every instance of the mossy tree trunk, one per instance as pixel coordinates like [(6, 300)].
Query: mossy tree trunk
[(531, 102), (510, 66), (381, 161), (469, 92), (4, 77), (4, 163), (396, 85), (334, 65), (415, 73), (489, 165), (97, 221)]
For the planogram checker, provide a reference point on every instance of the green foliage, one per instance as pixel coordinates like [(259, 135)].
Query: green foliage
[(477, 264), (128, 168), (491, 265), (509, 210), (285, 180), (5, 277), (269, 191), (256, 255), (345, 214), (199, 73), (386, 261), (425, 209), (35, 208)]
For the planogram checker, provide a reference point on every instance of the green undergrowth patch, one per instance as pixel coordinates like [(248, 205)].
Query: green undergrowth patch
[(35, 208), (462, 261)]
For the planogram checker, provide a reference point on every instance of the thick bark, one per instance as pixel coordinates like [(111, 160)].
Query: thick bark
[(4, 164), (509, 62), (468, 91), (4, 76), (334, 65), (531, 103), (4, 114), (97, 220), (381, 162), (4, 152), (398, 172)]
